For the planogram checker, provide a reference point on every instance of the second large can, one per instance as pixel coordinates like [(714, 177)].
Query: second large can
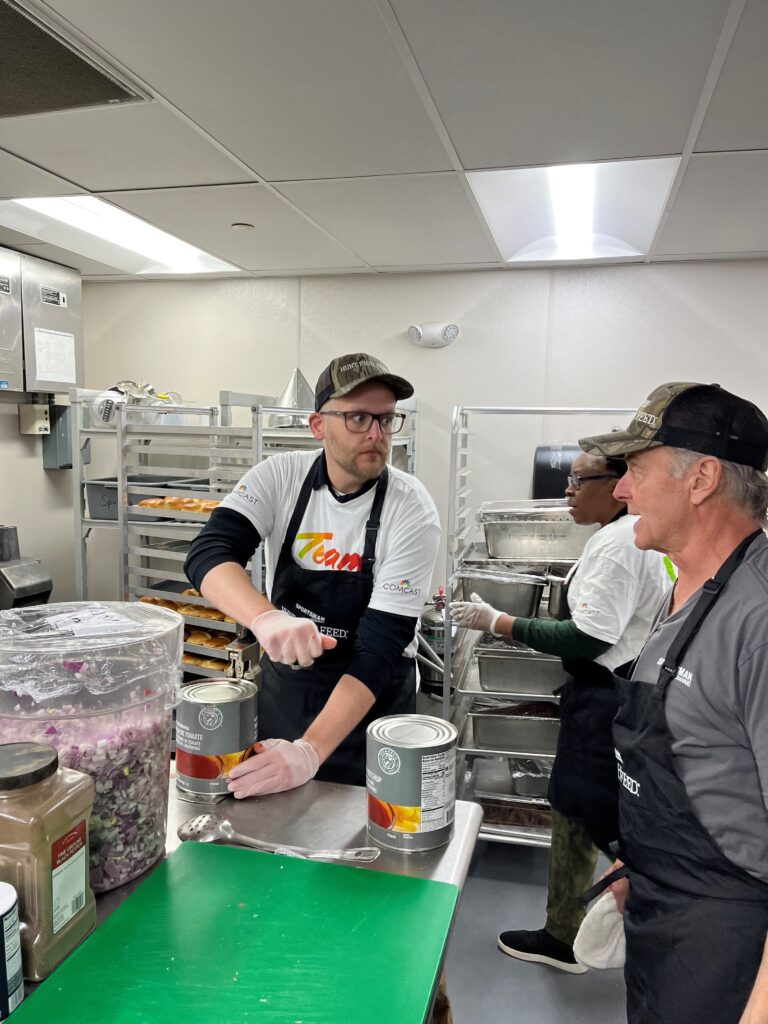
[(215, 730), (411, 781)]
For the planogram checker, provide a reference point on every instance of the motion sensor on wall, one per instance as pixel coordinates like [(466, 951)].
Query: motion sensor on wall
[(433, 335)]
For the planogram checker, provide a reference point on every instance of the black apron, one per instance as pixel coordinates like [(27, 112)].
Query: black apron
[(291, 699), (695, 922), (583, 786)]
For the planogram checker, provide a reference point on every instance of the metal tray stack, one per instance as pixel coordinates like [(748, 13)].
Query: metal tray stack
[(531, 529), (530, 548), (512, 669)]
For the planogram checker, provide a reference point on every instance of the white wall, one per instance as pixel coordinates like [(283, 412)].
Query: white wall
[(36, 501), (591, 336)]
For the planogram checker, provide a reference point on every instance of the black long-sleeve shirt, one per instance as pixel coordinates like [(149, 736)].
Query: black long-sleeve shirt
[(381, 637)]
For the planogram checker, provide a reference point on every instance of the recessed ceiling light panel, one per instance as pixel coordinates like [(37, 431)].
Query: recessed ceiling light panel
[(93, 228), (575, 212)]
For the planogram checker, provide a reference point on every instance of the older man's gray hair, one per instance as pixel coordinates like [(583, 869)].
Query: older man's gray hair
[(747, 487)]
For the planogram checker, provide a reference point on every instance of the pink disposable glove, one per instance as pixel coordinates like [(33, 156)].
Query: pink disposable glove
[(281, 765), (290, 640), (475, 614)]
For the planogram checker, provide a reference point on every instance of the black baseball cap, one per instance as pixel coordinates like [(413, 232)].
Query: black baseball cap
[(702, 418), (345, 373)]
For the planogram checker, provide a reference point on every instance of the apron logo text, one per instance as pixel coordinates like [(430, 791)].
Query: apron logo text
[(631, 785)]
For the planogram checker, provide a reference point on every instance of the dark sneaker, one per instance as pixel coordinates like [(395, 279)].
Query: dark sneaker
[(541, 948)]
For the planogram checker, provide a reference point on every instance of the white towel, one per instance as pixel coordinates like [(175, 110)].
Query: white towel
[(600, 941)]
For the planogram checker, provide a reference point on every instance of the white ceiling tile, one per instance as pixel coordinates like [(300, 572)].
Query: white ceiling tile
[(295, 89), (737, 116), (556, 81), (132, 145), (15, 239), (408, 219), (721, 207), (19, 179), (281, 238)]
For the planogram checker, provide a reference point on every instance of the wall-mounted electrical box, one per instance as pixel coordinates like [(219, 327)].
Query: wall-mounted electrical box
[(41, 337), (34, 419)]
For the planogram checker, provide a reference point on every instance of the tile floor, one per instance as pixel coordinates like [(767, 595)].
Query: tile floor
[(506, 888)]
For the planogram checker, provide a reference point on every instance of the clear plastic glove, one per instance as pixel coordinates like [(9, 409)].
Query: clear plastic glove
[(475, 614), (281, 765), (290, 640)]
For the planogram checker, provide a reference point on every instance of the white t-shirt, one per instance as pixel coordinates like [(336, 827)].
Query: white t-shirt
[(332, 533), (616, 590)]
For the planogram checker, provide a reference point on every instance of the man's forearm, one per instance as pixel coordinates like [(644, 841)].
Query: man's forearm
[(228, 587), (347, 705), (756, 1010)]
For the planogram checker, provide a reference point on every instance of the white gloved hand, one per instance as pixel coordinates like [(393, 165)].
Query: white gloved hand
[(475, 614), (290, 640), (279, 766)]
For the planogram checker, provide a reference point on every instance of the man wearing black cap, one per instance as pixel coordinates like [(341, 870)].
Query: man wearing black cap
[(691, 733), (350, 544)]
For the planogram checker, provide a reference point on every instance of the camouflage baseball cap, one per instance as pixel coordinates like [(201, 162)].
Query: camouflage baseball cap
[(345, 373), (699, 417)]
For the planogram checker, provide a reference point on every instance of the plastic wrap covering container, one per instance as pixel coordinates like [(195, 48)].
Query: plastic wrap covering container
[(513, 593), (98, 681), (532, 529)]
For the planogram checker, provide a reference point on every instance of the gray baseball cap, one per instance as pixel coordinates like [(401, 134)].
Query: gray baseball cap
[(345, 373)]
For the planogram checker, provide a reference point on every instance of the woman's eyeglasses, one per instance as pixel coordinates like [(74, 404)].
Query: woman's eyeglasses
[(361, 422), (576, 481)]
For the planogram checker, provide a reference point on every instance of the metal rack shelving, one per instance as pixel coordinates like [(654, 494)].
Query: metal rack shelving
[(207, 459), (460, 665)]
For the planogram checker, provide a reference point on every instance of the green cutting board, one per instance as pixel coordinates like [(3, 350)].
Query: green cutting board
[(219, 935)]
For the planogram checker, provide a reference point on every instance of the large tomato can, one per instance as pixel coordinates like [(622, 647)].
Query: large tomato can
[(411, 781), (215, 730)]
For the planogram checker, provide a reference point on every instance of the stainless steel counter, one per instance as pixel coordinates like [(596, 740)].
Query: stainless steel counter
[(319, 815)]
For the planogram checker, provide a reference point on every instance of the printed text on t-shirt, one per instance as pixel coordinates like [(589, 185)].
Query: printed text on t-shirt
[(315, 549)]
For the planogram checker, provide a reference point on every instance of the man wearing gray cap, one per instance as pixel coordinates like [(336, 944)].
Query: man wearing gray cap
[(691, 734), (350, 545)]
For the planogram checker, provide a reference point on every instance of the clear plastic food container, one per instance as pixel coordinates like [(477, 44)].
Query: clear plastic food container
[(98, 681)]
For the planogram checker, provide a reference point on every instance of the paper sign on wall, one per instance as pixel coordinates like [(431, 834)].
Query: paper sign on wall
[(55, 356)]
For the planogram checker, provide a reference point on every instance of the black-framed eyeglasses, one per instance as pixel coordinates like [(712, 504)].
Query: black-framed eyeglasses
[(361, 422), (576, 481)]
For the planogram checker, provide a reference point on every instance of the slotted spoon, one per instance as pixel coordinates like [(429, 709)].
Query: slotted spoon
[(207, 828)]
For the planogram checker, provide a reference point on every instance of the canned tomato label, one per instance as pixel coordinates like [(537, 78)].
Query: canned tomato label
[(411, 781), (11, 978), (215, 730)]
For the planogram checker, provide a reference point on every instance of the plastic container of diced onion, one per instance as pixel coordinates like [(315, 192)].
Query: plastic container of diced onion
[(98, 681)]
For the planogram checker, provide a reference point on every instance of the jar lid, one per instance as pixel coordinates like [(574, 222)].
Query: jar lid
[(24, 764), (8, 899)]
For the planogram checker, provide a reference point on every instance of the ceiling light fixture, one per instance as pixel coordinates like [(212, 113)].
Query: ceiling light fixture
[(241, 225), (572, 194), (94, 228), (602, 212)]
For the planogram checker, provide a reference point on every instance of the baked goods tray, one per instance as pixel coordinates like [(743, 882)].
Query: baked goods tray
[(467, 745), (170, 590)]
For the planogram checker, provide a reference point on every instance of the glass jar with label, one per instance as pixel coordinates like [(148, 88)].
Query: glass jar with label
[(44, 812)]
